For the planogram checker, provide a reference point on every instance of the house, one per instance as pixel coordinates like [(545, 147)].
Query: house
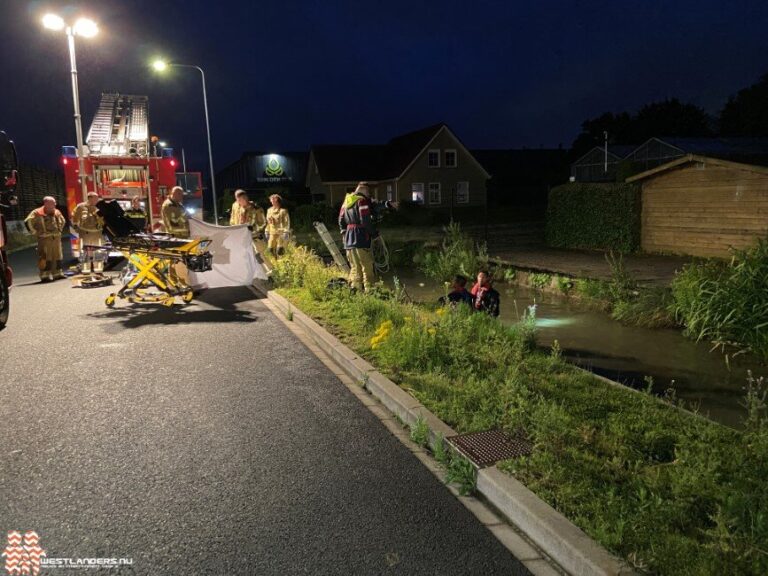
[(263, 173), (429, 166), (703, 206), (597, 165)]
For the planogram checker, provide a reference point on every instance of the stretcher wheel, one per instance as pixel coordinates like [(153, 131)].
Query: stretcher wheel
[(169, 302), (110, 300), (187, 296)]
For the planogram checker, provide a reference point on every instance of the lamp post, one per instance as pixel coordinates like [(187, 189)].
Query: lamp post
[(87, 29), (160, 66)]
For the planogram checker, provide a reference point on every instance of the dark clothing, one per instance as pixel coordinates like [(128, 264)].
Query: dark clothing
[(486, 299), (462, 295), (356, 221), (138, 218)]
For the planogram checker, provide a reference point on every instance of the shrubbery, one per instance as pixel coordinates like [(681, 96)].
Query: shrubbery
[(727, 302), (459, 254), (604, 216), (670, 492)]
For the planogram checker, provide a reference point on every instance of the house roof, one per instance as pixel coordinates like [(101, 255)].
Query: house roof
[(689, 158), (352, 163)]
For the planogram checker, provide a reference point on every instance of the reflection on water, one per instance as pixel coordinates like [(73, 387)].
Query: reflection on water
[(626, 354)]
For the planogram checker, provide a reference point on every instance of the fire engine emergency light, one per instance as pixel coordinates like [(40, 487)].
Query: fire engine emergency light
[(69, 151)]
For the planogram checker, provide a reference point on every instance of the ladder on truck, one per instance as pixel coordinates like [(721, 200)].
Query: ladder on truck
[(120, 126), (333, 248)]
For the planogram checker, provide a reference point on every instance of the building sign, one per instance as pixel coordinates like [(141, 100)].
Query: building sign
[(275, 170)]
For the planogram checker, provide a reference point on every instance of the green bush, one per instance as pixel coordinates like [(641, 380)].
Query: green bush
[(726, 302), (601, 216)]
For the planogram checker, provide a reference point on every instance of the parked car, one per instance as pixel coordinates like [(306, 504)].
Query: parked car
[(8, 172)]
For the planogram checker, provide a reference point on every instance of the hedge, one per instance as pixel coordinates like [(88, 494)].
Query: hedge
[(590, 215)]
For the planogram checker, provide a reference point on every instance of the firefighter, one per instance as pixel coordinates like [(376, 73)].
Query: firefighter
[(278, 225), (88, 225), (47, 223), (136, 214), (174, 214), (246, 212), (356, 224)]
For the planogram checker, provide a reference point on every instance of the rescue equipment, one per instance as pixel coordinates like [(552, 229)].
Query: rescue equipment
[(159, 262)]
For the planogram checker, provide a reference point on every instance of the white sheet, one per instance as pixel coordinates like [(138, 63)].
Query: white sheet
[(234, 261)]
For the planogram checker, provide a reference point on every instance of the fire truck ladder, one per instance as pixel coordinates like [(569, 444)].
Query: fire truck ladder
[(333, 248), (101, 128), (120, 126)]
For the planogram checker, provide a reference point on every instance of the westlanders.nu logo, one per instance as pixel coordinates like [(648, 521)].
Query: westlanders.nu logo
[(25, 556)]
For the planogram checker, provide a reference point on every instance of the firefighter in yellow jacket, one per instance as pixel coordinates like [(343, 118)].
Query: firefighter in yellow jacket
[(174, 214), (246, 212), (278, 225), (89, 225), (47, 223)]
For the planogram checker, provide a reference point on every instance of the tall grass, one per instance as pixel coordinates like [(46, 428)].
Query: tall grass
[(669, 492), (727, 302)]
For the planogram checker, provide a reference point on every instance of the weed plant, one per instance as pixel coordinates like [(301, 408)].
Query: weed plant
[(459, 254), (727, 302), (670, 492)]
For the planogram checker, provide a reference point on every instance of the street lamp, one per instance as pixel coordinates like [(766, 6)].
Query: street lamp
[(161, 66), (87, 29)]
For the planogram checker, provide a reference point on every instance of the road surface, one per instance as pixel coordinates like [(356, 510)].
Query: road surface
[(207, 440)]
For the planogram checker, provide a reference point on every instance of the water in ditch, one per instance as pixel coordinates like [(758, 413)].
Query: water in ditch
[(625, 354)]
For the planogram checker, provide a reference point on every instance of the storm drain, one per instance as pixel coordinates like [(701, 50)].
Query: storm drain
[(488, 447)]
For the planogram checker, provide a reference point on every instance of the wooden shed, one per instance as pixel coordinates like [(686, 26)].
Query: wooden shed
[(703, 206)]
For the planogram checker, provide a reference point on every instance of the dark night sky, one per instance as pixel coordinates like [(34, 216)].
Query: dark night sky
[(286, 74)]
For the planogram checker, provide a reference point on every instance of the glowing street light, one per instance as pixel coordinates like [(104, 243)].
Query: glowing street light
[(160, 66), (86, 28)]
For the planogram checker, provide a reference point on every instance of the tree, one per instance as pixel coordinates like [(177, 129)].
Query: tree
[(666, 118), (746, 113)]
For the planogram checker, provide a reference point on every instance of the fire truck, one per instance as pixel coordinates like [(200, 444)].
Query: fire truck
[(122, 161)]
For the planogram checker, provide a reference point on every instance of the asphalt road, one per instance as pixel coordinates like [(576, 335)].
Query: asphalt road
[(207, 440)]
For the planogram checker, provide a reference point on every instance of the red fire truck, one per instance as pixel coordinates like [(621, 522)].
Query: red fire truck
[(121, 161)]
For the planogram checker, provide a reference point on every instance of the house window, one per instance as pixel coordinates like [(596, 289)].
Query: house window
[(417, 192), (434, 193), (390, 193), (462, 192), (450, 159), (433, 158)]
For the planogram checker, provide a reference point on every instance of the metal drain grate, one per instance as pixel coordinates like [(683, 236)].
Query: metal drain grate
[(487, 448)]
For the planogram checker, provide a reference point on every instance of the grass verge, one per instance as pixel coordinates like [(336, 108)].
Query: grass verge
[(669, 492)]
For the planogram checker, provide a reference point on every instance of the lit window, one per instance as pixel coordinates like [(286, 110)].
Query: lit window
[(390, 193), (434, 193), (417, 192), (462, 192), (433, 158), (450, 159)]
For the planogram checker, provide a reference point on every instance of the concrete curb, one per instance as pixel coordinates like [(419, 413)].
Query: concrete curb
[(563, 541)]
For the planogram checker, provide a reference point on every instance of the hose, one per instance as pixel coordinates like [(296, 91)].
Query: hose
[(380, 255)]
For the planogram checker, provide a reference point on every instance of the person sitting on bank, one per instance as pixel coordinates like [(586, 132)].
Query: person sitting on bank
[(458, 293), (246, 212), (485, 297)]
